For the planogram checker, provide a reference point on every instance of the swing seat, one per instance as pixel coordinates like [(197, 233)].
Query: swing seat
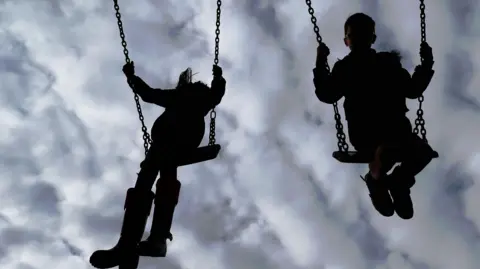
[(199, 155), (363, 157)]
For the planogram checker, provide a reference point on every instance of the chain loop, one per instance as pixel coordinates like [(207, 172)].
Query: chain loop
[(213, 113), (341, 137), (420, 121), (146, 136)]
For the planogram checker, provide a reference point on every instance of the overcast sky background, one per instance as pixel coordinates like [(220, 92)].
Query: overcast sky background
[(70, 142)]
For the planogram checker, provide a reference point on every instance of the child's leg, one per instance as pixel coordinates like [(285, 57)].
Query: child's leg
[(137, 208), (166, 199), (382, 163), (149, 168), (418, 155), (377, 185)]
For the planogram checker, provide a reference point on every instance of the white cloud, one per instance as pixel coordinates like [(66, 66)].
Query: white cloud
[(70, 143)]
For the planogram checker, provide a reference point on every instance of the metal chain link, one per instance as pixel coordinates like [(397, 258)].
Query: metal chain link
[(213, 113), (341, 137), (420, 121), (146, 136)]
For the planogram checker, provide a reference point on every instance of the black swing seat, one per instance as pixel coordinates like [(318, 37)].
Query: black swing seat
[(199, 155), (362, 157)]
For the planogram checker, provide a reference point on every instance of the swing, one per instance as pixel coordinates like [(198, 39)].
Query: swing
[(343, 154), (201, 154)]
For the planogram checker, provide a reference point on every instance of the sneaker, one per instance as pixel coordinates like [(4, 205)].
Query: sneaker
[(400, 191), (379, 195)]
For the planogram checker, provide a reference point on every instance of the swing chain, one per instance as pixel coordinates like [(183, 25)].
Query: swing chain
[(213, 113), (341, 137), (420, 121), (146, 136)]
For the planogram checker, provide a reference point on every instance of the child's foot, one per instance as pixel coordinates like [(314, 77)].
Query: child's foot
[(114, 257), (153, 248), (400, 190), (379, 195)]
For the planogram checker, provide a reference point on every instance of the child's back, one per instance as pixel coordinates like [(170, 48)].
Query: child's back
[(373, 85)]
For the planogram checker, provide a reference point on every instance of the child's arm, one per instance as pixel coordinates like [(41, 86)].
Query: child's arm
[(328, 87), (217, 90), (412, 85), (154, 96), (416, 84)]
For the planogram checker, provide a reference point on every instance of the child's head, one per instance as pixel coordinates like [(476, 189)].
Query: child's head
[(359, 31), (185, 81)]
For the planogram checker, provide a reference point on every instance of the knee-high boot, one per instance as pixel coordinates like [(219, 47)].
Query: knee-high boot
[(137, 208), (166, 199)]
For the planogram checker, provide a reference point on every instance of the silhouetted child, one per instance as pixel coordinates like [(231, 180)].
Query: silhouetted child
[(177, 131), (375, 87)]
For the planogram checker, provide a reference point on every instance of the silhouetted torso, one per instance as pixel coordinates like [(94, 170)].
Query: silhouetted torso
[(375, 105), (375, 87), (181, 126), (372, 88), (183, 123)]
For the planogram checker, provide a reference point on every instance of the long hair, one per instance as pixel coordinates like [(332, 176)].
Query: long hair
[(185, 78)]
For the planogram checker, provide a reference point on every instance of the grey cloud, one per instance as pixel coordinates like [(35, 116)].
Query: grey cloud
[(274, 198)]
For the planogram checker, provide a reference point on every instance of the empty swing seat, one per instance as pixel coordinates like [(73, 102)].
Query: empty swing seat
[(199, 155), (362, 157)]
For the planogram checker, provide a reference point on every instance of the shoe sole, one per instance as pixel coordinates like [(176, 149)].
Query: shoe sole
[(403, 205), (131, 261)]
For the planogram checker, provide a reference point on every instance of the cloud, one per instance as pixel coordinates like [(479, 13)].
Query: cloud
[(71, 145)]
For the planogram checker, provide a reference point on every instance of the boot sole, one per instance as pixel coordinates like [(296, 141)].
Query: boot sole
[(152, 255), (131, 261), (404, 213)]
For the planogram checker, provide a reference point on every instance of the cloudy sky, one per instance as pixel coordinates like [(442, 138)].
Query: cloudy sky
[(70, 142)]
